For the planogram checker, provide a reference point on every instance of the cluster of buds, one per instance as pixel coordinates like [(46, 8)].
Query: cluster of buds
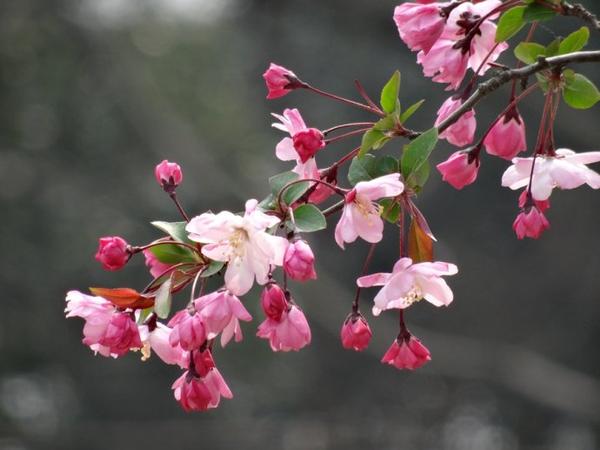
[(265, 245)]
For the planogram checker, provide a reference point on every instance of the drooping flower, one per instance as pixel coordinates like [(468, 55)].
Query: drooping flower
[(356, 333), (303, 142), (461, 132), (409, 283), (361, 216), (420, 25), (168, 175), (460, 169), (113, 252), (241, 241), (158, 340), (202, 386), (507, 137), (406, 353), (155, 267), (565, 170), (444, 63), (273, 301), (221, 312), (299, 260), (290, 332), (279, 81), (106, 330), (531, 223), (187, 330)]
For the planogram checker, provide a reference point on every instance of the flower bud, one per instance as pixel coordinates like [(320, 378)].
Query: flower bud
[(308, 142), (461, 132), (273, 301), (121, 334), (298, 261), (507, 137), (113, 252), (355, 333), (460, 169), (406, 353), (187, 330), (168, 175), (279, 81), (530, 223)]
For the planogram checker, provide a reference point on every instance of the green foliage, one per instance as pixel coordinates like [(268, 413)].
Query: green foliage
[(162, 301), (574, 41), (370, 167), (389, 93), (415, 166), (174, 229), (391, 210), (528, 52), (308, 218), (579, 92), (510, 23), (291, 193), (213, 268), (410, 111), (173, 254)]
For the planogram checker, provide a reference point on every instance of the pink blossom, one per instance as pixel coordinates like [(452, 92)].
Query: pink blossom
[(408, 283), (407, 353), (565, 170), (445, 63), (241, 241), (279, 81), (307, 143), (106, 331), (221, 312), (531, 223), (202, 386), (419, 25), (168, 174), (507, 137), (525, 199), (113, 252), (158, 340), (303, 142), (355, 333), (154, 265), (461, 132), (298, 261), (290, 332), (273, 301), (361, 215), (188, 330), (460, 169)]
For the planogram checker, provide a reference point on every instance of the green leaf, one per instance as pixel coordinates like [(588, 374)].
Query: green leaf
[(294, 192), (575, 41), (213, 268), (391, 210), (369, 167), (369, 140), (552, 48), (268, 203), (410, 111), (309, 218), (536, 12), (580, 93), (162, 301), (277, 182), (174, 229), (528, 52), (389, 93), (173, 254), (416, 154), (386, 124), (144, 313), (510, 23)]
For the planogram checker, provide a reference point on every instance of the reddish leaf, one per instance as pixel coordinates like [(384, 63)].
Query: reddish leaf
[(123, 297), (420, 244)]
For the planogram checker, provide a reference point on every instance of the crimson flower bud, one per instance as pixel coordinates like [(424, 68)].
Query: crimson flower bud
[(273, 301), (355, 333), (406, 352), (279, 81), (168, 175), (113, 252), (298, 261), (308, 142)]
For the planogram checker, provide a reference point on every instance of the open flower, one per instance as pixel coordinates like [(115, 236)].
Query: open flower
[(157, 340), (419, 25), (444, 63), (408, 283), (303, 142), (241, 241), (221, 312), (361, 216), (565, 170), (289, 332)]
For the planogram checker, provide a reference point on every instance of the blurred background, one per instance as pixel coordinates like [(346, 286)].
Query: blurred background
[(94, 93)]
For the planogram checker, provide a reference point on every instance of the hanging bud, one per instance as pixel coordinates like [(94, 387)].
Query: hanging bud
[(273, 301), (280, 81), (460, 169), (168, 175), (113, 252), (406, 352), (355, 333), (298, 261), (507, 137)]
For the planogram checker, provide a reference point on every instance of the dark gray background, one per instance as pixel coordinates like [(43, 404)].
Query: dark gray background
[(94, 93)]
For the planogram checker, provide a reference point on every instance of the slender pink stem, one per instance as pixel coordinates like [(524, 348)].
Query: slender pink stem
[(376, 111), (345, 135), (348, 125)]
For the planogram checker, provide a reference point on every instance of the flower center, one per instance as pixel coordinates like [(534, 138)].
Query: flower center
[(237, 242), (413, 296), (366, 207)]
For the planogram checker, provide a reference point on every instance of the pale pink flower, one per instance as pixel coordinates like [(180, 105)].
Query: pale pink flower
[(202, 386), (460, 169), (168, 174), (445, 63), (158, 340), (241, 241), (507, 137), (531, 223), (187, 330), (406, 353), (273, 301), (565, 170), (303, 142), (106, 331), (419, 25), (361, 216), (290, 332), (408, 283), (154, 265), (113, 252), (461, 132), (355, 333), (221, 312), (279, 81), (299, 260)]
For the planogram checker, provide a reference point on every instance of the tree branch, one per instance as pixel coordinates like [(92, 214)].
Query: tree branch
[(489, 86), (579, 11)]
